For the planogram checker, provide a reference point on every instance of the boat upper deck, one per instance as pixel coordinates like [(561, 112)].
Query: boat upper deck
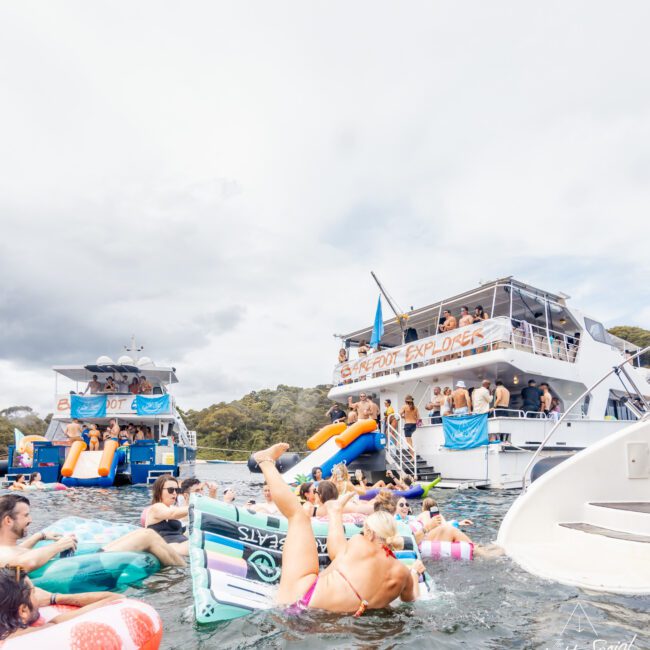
[(513, 316)]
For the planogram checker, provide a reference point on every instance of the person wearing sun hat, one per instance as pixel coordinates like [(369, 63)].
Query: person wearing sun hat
[(461, 399)]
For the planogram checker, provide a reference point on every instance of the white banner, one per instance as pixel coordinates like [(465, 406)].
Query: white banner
[(424, 350), (115, 405)]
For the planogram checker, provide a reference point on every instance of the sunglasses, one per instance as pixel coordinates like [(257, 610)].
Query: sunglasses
[(171, 490), (403, 505)]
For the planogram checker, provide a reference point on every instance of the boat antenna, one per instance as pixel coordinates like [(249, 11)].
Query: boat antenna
[(134, 347), (397, 310)]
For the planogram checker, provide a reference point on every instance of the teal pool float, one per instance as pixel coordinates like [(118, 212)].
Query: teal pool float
[(91, 569)]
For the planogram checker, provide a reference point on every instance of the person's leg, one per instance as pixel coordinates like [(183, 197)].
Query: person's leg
[(145, 540), (182, 548), (300, 569), (447, 533)]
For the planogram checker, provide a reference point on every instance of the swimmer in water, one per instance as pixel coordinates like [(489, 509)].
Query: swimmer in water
[(364, 572)]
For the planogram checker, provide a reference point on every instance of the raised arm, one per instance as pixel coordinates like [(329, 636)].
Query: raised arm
[(335, 534)]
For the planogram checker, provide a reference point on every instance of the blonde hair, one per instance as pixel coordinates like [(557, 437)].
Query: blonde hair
[(340, 472), (383, 526)]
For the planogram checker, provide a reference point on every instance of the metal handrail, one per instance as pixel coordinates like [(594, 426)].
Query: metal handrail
[(615, 369), (395, 436)]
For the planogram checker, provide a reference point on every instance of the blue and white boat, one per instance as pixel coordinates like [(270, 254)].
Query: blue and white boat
[(171, 448)]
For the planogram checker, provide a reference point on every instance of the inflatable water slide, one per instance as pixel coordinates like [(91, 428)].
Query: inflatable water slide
[(91, 468), (337, 443)]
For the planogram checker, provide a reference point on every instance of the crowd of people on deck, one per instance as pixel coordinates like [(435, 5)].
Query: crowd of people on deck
[(94, 437), (120, 385), (444, 402), (447, 323)]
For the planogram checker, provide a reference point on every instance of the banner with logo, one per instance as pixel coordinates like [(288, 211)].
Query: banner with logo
[(465, 431), (462, 339), (148, 405), (91, 406)]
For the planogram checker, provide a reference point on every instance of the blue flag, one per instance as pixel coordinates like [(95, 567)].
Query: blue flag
[(378, 327)]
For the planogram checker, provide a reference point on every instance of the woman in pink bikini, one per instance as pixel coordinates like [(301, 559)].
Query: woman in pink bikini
[(364, 573)]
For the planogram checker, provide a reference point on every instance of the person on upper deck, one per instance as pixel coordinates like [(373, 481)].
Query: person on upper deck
[(532, 397), (363, 348), (465, 317), (123, 385), (145, 387), (461, 399), (94, 386), (343, 355), (110, 386), (449, 323), (134, 386), (480, 314)]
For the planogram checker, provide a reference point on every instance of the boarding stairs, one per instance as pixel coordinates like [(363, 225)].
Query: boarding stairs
[(400, 457), (153, 474)]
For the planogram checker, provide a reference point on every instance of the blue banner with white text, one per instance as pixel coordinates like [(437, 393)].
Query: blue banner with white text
[(87, 406), (147, 405), (465, 431)]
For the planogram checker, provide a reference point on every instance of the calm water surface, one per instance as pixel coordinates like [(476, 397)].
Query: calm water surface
[(481, 604)]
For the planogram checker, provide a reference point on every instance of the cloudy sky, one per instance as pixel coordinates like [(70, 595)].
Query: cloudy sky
[(220, 178)]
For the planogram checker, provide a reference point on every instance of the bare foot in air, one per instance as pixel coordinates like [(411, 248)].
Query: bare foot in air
[(273, 452)]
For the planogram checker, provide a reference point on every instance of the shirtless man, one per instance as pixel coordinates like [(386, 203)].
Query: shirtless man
[(15, 518), (501, 400), (450, 322), (113, 430), (547, 398), (94, 386), (435, 405), (73, 430), (465, 317), (366, 409), (268, 507), (364, 573), (461, 400)]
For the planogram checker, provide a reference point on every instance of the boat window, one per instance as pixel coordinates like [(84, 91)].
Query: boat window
[(596, 330)]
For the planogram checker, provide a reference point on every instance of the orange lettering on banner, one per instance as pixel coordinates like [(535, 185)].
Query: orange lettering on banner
[(411, 353), (478, 334), (446, 343), (63, 404), (346, 371)]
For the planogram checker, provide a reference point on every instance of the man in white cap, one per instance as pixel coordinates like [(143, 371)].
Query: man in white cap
[(461, 399)]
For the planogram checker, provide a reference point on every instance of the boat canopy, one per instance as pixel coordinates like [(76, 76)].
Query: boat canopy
[(158, 374), (502, 297)]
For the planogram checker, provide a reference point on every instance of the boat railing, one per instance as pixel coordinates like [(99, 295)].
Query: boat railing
[(616, 370), (516, 335), (514, 414), (399, 451)]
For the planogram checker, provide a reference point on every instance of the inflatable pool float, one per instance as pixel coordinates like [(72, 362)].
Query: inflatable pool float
[(236, 557), (90, 569), (435, 550), (119, 625), (418, 491)]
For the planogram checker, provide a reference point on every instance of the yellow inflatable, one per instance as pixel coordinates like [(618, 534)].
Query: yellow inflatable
[(26, 445)]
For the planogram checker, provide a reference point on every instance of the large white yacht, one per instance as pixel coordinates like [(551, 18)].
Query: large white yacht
[(529, 334)]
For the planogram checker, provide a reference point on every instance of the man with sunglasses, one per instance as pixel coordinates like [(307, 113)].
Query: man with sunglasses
[(15, 518)]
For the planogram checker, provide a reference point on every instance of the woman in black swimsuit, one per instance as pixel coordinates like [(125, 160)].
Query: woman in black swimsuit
[(164, 515)]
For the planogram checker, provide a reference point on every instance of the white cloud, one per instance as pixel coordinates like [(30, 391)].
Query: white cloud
[(220, 179)]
